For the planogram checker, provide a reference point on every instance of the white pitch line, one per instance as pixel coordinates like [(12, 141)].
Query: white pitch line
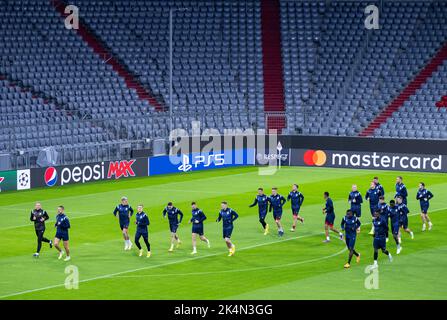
[(155, 266), (238, 270), (171, 263)]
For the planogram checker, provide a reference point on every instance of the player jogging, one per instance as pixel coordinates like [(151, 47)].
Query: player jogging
[(401, 190), (394, 217), (372, 195), (262, 201), (379, 186), (227, 215), (355, 199), (173, 213), (39, 216), (62, 225), (328, 210), (424, 196), (382, 206), (124, 211), (142, 222), (403, 217), (276, 203), (296, 199), (197, 227), (380, 232), (350, 224)]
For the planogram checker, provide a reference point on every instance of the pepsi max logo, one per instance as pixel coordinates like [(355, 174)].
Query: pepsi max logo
[(50, 176)]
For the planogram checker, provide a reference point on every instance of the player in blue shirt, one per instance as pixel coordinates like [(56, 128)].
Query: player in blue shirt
[(350, 224), (424, 196), (403, 217), (355, 199), (401, 190), (124, 211), (262, 201), (173, 213), (328, 210), (197, 227), (62, 225), (276, 203), (380, 231), (372, 195), (142, 222), (227, 215), (379, 186), (296, 199), (394, 217)]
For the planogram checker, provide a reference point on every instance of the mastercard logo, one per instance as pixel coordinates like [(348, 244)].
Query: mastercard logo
[(315, 158)]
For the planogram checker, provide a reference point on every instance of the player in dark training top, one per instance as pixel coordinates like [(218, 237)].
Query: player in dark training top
[(262, 201), (394, 217), (379, 186), (355, 199), (401, 190), (424, 196), (350, 224), (227, 215), (197, 227), (276, 203), (142, 222), (296, 199), (39, 216), (372, 195), (380, 232), (403, 218), (382, 206), (62, 225), (173, 214), (124, 212), (329, 211)]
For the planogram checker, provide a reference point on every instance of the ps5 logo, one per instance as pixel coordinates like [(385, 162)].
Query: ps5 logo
[(201, 160), (185, 166)]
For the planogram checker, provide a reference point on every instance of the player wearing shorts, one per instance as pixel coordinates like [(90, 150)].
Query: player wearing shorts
[(62, 225), (329, 213), (296, 199), (227, 215)]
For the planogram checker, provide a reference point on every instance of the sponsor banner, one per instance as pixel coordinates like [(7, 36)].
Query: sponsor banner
[(24, 179), (87, 172), (200, 161), (369, 160), (277, 157), (8, 180)]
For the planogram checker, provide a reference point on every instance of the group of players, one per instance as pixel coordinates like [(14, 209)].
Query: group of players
[(385, 216)]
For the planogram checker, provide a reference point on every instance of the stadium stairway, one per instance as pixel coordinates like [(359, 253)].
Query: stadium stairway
[(46, 99), (105, 53), (274, 105), (407, 92), (442, 103)]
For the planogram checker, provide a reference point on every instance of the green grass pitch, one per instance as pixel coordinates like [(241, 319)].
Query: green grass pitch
[(296, 266)]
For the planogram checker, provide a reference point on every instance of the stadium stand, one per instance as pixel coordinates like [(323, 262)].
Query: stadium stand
[(359, 72), (106, 84), (217, 55)]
